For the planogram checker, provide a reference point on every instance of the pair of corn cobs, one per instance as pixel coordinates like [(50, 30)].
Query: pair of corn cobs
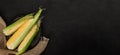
[(22, 32)]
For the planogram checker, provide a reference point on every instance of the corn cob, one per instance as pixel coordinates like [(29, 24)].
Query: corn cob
[(28, 39), (13, 27)]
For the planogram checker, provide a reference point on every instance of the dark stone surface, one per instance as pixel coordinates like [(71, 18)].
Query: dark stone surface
[(75, 27)]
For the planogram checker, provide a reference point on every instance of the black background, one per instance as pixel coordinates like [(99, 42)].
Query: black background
[(75, 27)]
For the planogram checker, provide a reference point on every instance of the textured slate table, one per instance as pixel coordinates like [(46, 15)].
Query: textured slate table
[(75, 27)]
